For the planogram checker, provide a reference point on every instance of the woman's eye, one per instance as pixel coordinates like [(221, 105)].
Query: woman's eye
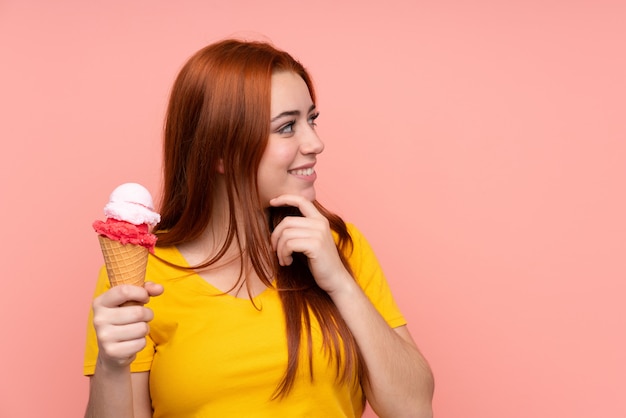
[(287, 128), (312, 119)]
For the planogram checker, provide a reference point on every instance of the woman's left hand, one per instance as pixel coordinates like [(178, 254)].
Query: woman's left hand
[(310, 235)]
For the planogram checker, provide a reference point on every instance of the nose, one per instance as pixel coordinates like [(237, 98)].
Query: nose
[(311, 143)]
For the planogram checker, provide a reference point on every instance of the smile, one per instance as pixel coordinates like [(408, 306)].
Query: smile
[(303, 171)]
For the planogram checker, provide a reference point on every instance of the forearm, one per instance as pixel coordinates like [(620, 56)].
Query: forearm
[(400, 382), (110, 393)]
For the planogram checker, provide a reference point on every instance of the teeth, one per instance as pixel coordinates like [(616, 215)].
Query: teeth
[(303, 172)]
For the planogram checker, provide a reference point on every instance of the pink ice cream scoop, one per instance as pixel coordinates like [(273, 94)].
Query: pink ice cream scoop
[(129, 216)]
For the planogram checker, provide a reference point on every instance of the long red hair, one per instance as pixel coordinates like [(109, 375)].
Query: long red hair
[(218, 119)]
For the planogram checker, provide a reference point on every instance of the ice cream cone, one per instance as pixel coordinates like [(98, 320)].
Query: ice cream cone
[(125, 264)]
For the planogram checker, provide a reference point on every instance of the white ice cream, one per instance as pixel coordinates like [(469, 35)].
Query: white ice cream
[(131, 202)]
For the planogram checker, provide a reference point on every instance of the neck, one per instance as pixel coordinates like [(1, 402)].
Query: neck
[(214, 237), (232, 272)]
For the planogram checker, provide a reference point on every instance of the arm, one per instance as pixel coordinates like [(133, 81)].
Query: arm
[(116, 393), (400, 381), (113, 390)]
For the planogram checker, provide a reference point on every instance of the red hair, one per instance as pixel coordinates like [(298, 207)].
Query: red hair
[(219, 118)]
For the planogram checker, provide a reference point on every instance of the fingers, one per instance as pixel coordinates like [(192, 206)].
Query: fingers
[(116, 339), (153, 289), (310, 235), (298, 235), (307, 208), (120, 354), (120, 336), (121, 330), (118, 295), (120, 315)]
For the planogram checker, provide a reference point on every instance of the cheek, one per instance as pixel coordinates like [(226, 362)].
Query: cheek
[(279, 156)]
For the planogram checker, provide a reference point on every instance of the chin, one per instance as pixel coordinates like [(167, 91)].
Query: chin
[(308, 195)]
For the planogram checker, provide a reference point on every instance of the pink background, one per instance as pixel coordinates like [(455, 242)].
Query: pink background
[(480, 148)]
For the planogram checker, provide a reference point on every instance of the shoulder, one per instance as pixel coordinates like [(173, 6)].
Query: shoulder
[(369, 274), (360, 244), (360, 254), (354, 233)]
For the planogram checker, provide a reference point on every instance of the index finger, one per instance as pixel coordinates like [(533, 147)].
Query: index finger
[(307, 208), (118, 295)]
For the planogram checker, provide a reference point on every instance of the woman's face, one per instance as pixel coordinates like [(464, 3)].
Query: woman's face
[(288, 162)]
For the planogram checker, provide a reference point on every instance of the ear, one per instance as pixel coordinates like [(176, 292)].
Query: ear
[(220, 166)]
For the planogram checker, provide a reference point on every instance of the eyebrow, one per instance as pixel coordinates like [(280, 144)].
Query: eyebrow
[(291, 113)]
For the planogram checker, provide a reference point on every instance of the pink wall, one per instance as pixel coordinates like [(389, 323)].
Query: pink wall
[(481, 149)]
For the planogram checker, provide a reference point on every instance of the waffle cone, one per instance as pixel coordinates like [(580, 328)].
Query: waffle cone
[(125, 264)]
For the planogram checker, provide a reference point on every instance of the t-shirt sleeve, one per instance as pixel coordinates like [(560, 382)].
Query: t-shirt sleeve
[(369, 275), (143, 360)]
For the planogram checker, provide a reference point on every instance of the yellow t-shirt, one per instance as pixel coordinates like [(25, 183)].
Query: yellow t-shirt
[(220, 356)]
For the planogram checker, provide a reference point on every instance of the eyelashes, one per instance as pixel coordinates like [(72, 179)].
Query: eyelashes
[(288, 128), (312, 118)]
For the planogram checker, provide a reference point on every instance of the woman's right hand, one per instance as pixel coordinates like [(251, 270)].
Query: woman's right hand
[(121, 330)]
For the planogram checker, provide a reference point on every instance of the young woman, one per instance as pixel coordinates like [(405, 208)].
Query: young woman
[(260, 302)]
